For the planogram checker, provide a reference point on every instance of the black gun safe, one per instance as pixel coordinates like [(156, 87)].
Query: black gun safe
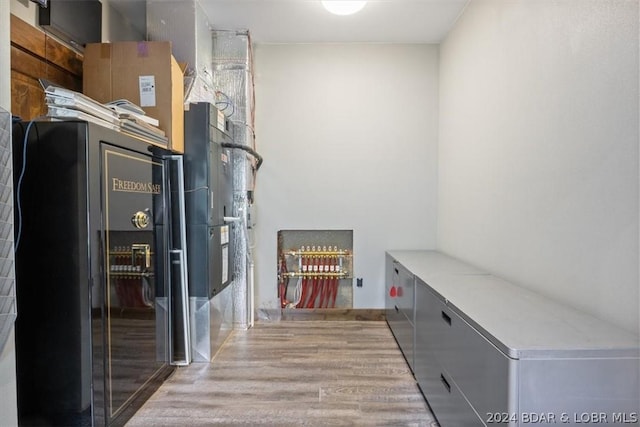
[(93, 269)]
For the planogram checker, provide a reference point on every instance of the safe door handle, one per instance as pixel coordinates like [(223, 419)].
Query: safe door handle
[(445, 383), (446, 318), (145, 250)]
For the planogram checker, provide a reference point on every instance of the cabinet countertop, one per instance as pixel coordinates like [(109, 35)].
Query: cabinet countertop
[(519, 322)]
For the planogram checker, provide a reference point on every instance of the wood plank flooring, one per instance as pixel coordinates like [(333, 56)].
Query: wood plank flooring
[(292, 373)]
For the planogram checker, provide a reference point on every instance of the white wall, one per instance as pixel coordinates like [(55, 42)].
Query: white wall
[(117, 27), (8, 399), (348, 133), (25, 10), (538, 152)]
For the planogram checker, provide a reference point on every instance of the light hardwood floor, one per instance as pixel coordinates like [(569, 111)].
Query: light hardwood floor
[(291, 373)]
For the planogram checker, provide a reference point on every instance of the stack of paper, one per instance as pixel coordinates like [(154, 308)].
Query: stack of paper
[(133, 120), (66, 104), (125, 104), (121, 115)]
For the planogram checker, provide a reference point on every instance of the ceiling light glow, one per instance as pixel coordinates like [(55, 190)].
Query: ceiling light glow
[(341, 7)]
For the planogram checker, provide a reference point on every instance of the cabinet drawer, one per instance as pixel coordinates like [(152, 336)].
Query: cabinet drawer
[(405, 300), (399, 291), (393, 317), (404, 333), (478, 368), (445, 399)]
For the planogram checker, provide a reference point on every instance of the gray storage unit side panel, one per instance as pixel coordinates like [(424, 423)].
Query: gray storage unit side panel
[(394, 315), (569, 388), (389, 299)]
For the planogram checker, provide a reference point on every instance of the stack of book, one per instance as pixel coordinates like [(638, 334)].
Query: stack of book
[(121, 115), (134, 121)]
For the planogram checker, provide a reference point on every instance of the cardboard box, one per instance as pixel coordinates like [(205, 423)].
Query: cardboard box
[(145, 73)]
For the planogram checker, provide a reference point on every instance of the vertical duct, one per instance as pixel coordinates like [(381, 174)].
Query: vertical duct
[(187, 26), (232, 77), (219, 72), (7, 272)]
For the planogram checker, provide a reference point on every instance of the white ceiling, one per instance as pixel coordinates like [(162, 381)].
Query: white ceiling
[(306, 21)]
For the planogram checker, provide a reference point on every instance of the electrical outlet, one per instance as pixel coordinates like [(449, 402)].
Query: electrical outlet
[(359, 282)]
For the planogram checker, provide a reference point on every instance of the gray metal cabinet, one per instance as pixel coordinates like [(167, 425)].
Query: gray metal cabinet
[(392, 314), (400, 306), (488, 352), (400, 290), (455, 365), (437, 385)]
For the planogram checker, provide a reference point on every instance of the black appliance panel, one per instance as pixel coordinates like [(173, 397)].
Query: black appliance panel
[(77, 22), (209, 199), (54, 386)]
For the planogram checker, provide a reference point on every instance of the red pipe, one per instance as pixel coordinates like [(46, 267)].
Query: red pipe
[(323, 291), (330, 286), (317, 283), (327, 289), (303, 294), (310, 282), (314, 293), (310, 286), (335, 283), (284, 281)]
